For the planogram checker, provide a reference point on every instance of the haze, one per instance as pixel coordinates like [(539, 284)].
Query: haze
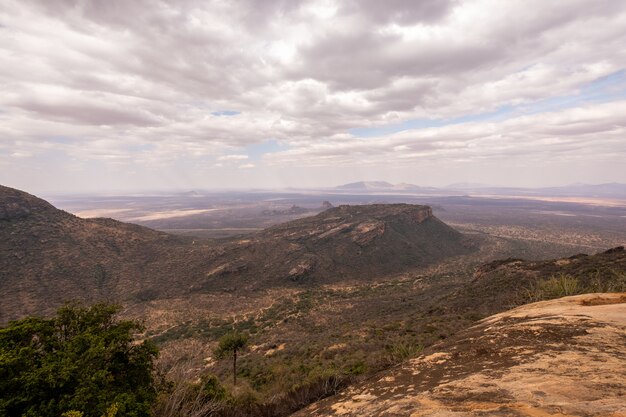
[(122, 95)]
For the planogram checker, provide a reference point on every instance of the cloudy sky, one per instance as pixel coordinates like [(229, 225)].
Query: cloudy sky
[(147, 94)]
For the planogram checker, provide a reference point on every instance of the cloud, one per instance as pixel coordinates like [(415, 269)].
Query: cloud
[(150, 83), (572, 133), (232, 157)]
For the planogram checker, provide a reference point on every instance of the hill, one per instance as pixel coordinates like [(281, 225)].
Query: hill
[(554, 357), (339, 244), (49, 256)]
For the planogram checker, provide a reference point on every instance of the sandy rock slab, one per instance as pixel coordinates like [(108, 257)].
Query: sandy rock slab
[(557, 358)]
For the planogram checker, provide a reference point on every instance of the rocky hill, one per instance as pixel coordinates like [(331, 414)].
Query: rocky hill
[(561, 357), (48, 256), (342, 243)]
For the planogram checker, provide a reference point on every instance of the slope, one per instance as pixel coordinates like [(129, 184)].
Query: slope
[(49, 256), (561, 357)]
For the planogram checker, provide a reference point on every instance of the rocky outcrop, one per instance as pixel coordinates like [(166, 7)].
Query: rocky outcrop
[(562, 357)]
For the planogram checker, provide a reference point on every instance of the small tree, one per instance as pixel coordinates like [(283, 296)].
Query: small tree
[(231, 343)]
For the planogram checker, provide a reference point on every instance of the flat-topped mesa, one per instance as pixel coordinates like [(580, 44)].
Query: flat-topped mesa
[(361, 223), (362, 241), (381, 211)]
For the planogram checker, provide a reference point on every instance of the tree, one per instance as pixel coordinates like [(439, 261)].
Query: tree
[(231, 343), (84, 361)]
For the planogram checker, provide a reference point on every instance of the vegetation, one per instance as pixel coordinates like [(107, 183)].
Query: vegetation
[(180, 398), (556, 286), (563, 285), (231, 343), (404, 350), (297, 358), (81, 363)]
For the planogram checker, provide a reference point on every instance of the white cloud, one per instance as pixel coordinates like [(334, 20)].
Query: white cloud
[(142, 84), (232, 157)]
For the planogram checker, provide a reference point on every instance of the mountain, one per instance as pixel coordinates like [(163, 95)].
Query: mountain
[(467, 185), (610, 190), (561, 356), (49, 256), (614, 190), (383, 186), (341, 243), (366, 185)]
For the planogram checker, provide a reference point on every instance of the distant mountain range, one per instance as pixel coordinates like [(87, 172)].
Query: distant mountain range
[(609, 190), (382, 186)]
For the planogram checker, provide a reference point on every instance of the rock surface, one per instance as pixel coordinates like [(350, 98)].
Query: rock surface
[(564, 357)]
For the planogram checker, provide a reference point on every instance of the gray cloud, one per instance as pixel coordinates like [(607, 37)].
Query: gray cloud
[(139, 82)]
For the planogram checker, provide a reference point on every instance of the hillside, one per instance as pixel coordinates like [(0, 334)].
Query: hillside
[(339, 244), (351, 332), (562, 357), (511, 282), (49, 256)]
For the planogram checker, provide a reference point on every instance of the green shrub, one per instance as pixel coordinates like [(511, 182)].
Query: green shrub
[(608, 281), (356, 368), (556, 286), (83, 362), (403, 350), (562, 285), (212, 389)]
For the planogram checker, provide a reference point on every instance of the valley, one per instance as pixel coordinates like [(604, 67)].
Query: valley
[(586, 224), (329, 295)]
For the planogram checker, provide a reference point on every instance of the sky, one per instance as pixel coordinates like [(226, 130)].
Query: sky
[(149, 95)]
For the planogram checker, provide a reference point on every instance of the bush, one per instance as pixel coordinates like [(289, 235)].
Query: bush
[(556, 286), (608, 281), (403, 350), (83, 362), (562, 285)]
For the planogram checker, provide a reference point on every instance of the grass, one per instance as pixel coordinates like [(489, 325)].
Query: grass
[(556, 286), (403, 350), (563, 285)]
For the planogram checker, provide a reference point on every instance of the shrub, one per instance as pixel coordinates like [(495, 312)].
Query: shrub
[(608, 281), (556, 286), (403, 350), (83, 362)]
